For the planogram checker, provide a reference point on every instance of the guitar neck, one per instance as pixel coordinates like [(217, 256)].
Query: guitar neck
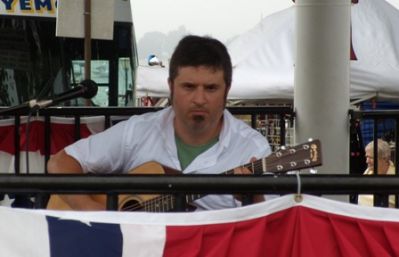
[(303, 156), (257, 167)]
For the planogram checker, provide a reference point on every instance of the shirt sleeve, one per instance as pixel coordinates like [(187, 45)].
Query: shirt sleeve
[(102, 152)]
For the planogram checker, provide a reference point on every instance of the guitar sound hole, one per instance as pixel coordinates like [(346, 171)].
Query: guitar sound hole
[(131, 205)]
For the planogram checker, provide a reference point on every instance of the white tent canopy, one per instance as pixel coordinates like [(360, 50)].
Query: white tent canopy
[(263, 58)]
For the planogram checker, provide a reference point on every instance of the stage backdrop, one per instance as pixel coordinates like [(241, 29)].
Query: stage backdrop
[(277, 228)]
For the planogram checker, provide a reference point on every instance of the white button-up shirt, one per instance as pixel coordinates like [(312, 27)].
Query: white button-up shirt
[(151, 138)]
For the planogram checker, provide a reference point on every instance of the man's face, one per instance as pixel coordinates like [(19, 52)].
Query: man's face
[(198, 98)]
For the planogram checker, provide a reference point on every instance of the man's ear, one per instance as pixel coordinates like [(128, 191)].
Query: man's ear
[(170, 83), (226, 93)]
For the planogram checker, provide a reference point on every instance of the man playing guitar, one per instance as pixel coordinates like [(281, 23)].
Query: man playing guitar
[(195, 135)]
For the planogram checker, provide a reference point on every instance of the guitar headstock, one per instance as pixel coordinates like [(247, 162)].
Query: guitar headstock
[(302, 156)]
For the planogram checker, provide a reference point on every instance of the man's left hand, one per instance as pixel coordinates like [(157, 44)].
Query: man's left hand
[(245, 171)]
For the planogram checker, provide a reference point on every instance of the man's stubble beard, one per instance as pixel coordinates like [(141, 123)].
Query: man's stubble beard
[(198, 118), (198, 123)]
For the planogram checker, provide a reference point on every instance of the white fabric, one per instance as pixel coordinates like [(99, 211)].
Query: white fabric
[(27, 228), (264, 57), (150, 137)]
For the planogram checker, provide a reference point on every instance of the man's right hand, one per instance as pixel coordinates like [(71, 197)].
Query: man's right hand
[(62, 163)]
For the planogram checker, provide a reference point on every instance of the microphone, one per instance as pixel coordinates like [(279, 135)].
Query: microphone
[(86, 89)]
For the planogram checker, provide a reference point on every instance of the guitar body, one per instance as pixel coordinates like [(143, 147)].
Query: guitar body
[(125, 202)]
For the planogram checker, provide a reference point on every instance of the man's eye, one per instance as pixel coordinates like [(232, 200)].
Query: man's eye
[(188, 86), (211, 88)]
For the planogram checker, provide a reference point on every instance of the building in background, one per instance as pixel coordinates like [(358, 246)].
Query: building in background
[(34, 63)]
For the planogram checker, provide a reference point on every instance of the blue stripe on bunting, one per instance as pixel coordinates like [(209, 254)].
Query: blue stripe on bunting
[(74, 238)]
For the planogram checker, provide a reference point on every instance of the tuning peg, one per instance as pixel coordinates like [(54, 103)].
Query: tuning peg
[(283, 147), (310, 139), (312, 171)]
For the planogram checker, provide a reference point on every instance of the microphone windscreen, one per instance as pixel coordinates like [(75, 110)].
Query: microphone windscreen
[(89, 88)]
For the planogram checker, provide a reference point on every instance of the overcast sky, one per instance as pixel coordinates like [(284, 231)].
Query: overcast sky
[(222, 19)]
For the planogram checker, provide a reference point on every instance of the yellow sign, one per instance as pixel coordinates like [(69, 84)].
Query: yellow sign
[(40, 8)]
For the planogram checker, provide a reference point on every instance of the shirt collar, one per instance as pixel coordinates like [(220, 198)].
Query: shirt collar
[(168, 134), (225, 133), (207, 158)]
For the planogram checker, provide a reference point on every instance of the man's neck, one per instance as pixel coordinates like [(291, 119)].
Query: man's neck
[(197, 138)]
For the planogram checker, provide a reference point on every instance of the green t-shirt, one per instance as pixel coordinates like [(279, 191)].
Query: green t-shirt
[(187, 153)]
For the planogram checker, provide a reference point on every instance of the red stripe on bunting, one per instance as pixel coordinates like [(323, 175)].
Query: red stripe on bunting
[(61, 136), (294, 232)]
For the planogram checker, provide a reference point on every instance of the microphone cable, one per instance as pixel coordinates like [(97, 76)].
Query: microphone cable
[(35, 200), (45, 89), (27, 141)]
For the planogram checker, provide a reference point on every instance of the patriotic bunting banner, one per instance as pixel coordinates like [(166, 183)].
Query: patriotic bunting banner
[(279, 227), (62, 134)]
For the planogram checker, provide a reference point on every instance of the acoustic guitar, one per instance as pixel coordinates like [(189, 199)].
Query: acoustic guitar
[(303, 156)]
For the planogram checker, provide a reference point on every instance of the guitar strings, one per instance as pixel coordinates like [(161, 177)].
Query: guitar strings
[(156, 203), (149, 203)]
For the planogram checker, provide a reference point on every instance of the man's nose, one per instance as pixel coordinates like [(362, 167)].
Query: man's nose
[(199, 96)]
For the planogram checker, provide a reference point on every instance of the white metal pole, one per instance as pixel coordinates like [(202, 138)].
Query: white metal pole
[(322, 70)]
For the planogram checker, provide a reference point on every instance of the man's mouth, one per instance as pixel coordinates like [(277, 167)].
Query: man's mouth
[(199, 112), (198, 118)]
